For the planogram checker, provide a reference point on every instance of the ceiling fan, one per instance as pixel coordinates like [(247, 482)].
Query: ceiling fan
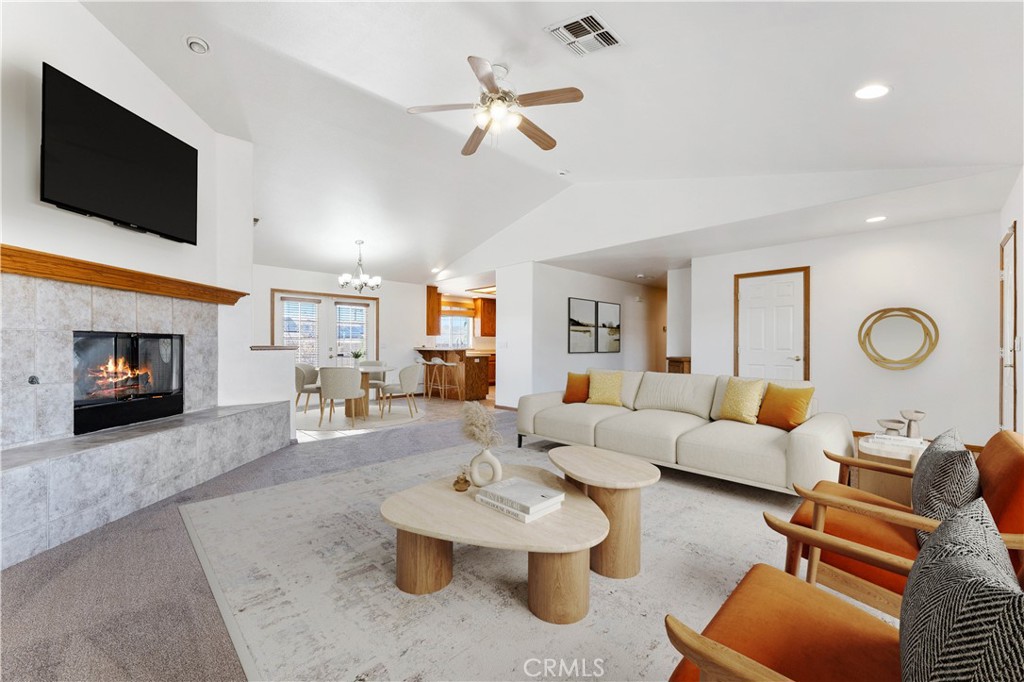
[(498, 108)]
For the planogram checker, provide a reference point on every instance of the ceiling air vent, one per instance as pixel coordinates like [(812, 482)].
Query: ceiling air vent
[(583, 34)]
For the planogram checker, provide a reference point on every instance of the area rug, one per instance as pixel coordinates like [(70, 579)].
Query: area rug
[(304, 575), (399, 416)]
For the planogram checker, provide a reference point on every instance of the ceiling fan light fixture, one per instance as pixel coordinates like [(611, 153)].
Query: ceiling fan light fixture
[(482, 117), (498, 110), (513, 120)]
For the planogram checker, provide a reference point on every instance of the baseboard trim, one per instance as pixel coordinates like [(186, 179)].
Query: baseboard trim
[(506, 407)]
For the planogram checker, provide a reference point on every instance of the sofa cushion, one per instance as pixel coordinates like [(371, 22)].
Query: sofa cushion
[(605, 388), (742, 400), (748, 452), (577, 388), (630, 386), (784, 408), (963, 610), (651, 434), (945, 479), (573, 423), (691, 393), (722, 383)]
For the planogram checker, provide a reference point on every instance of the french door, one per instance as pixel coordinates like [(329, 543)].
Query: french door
[(326, 328)]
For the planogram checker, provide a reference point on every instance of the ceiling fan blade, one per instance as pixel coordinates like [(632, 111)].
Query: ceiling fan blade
[(559, 96), (475, 138), (539, 137), (438, 107), (482, 68)]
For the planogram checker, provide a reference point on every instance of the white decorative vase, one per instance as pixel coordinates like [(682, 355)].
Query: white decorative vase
[(484, 458)]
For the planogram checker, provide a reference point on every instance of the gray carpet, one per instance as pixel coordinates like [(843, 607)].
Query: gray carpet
[(130, 600)]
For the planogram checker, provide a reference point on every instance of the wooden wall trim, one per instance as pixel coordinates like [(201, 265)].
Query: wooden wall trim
[(18, 261), (806, 270)]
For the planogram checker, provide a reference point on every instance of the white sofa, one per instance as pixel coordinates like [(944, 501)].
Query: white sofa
[(674, 420)]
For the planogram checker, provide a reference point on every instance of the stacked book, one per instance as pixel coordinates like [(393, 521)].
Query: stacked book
[(884, 439), (521, 499)]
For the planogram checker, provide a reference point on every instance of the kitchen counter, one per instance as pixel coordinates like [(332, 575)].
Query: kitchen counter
[(476, 371)]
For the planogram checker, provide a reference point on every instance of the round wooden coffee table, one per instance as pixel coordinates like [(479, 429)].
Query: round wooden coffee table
[(613, 481), (431, 516)]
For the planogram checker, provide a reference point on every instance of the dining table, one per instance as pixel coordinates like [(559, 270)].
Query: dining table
[(362, 407)]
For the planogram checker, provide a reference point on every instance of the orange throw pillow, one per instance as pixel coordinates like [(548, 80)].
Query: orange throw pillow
[(577, 388), (784, 408)]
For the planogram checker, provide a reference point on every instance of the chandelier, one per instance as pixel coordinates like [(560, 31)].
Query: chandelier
[(361, 280)]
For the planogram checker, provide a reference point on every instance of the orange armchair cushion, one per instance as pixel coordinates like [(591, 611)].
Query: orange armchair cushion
[(577, 388), (1001, 468), (863, 530), (801, 631)]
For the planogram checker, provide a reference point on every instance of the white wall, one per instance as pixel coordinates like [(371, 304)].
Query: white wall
[(945, 268), (402, 308), (514, 343), (68, 37), (532, 341), (679, 312)]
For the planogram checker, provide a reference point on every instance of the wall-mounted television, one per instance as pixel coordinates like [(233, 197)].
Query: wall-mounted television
[(100, 159)]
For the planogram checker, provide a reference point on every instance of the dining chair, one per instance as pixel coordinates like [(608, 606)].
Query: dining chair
[(408, 380), (340, 383), (305, 382)]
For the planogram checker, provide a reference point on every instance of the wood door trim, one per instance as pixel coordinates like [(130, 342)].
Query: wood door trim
[(16, 260), (376, 335), (806, 270), (1009, 237)]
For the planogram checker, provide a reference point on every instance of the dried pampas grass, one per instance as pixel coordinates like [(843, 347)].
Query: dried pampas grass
[(478, 425)]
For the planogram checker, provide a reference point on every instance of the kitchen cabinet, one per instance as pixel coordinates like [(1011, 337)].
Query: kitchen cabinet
[(492, 364), (485, 316), (433, 311)]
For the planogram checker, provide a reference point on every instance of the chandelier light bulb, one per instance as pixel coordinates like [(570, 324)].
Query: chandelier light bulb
[(345, 279)]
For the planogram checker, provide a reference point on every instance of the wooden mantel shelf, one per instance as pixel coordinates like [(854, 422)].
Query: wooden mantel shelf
[(18, 261)]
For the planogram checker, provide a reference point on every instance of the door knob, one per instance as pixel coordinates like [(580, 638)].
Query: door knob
[(797, 358)]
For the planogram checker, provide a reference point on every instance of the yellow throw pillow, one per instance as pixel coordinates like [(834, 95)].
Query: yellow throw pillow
[(605, 388), (784, 408), (742, 399)]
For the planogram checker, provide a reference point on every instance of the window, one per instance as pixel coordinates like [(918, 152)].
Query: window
[(351, 327), (455, 332), (456, 323), (301, 328)]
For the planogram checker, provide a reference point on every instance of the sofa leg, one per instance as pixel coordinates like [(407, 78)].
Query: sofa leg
[(520, 441)]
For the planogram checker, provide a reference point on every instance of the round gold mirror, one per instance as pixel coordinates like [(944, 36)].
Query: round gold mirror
[(898, 338)]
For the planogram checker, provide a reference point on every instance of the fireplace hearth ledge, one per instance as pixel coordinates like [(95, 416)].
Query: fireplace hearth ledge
[(57, 490)]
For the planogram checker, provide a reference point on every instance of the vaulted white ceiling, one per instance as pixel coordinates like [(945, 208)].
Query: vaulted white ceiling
[(695, 90)]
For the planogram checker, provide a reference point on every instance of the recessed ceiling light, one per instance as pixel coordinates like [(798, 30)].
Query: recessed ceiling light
[(876, 219), (873, 91), (641, 275), (197, 44), (435, 270), (563, 171)]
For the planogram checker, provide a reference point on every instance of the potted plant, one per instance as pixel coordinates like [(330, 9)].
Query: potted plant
[(357, 354)]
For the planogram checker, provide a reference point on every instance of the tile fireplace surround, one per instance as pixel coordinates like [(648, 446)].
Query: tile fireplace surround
[(57, 486)]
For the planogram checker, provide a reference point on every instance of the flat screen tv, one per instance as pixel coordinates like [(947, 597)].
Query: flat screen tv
[(100, 159)]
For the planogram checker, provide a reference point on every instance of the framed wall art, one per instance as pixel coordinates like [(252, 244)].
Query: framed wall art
[(582, 325), (609, 329)]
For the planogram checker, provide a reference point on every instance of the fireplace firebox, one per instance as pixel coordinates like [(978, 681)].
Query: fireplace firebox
[(123, 378)]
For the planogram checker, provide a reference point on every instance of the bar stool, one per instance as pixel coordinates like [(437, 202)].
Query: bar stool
[(453, 373), (432, 376)]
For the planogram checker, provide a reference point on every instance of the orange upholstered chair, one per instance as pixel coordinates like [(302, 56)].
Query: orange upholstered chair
[(775, 626), (877, 522)]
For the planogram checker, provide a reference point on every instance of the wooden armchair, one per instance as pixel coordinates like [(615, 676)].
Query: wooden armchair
[(871, 520), (775, 626)]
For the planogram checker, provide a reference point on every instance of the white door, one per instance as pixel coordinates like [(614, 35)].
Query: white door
[(770, 329)]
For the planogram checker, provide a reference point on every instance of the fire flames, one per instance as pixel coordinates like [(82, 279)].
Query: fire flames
[(117, 378)]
